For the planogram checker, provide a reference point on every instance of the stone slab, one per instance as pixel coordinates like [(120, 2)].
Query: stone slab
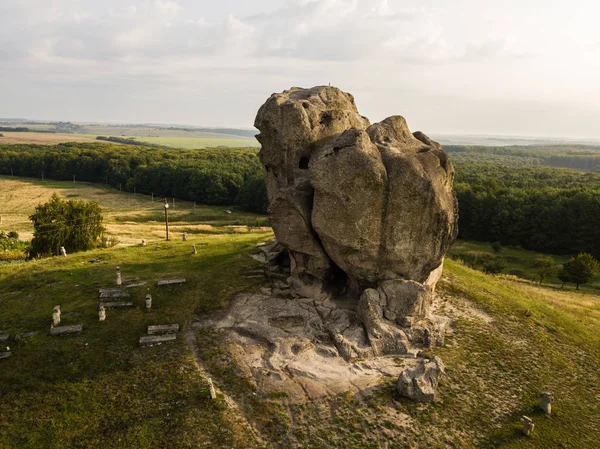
[(110, 290), (171, 282), (157, 339), (5, 355), (4, 337), (130, 279), (64, 330), (26, 335), (163, 328), (139, 284), (115, 295), (116, 305)]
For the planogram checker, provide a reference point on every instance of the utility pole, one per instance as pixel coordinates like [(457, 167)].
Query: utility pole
[(167, 217), (42, 176), (73, 179), (173, 203)]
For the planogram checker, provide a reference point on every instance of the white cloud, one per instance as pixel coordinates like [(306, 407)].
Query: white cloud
[(167, 7), (396, 55)]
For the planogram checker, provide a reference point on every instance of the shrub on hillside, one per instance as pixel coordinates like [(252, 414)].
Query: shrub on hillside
[(494, 265)]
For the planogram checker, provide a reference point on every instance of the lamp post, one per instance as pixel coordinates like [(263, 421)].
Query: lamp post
[(167, 218)]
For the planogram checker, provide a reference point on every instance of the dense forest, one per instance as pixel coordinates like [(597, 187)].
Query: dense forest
[(211, 176), (506, 194), (517, 196), (578, 157)]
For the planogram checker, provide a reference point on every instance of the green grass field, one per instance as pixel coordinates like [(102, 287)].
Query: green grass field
[(510, 339)]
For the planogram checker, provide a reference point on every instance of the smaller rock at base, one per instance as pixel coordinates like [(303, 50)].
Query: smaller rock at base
[(420, 383), (5, 355)]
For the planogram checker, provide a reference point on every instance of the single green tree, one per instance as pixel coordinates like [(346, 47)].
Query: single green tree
[(579, 270), (497, 247), (76, 225), (545, 268)]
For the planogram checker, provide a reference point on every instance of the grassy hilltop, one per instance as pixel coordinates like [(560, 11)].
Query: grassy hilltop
[(510, 340)]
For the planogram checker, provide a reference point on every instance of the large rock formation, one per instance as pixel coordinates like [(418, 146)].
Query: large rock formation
[(358, 206)]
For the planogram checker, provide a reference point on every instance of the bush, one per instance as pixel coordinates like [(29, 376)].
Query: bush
[(109, 241), (494, 266), (76, 225)]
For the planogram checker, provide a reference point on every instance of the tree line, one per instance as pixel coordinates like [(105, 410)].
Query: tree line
[(541, 208), (208, 176), (578, 157)]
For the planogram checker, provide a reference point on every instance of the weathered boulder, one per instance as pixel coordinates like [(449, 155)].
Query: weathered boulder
[(420, 383), (358, 207), (292, 126)]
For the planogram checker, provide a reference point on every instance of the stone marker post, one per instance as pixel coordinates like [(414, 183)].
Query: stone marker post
[(63, 251), (184, 236), (56, 316), (546, 400), (148, 301), (194, 250), (143, 242), (528, 425), (213, 393), (101, 314), (119, 280)]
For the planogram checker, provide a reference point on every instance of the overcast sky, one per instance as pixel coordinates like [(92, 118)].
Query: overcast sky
[(513, 67)]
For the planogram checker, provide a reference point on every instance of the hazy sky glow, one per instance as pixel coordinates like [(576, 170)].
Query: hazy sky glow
[(515, 67)]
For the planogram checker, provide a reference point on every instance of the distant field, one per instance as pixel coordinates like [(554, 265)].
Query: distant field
[(190, 143), (129, 217), (43, 138), (166, 136)]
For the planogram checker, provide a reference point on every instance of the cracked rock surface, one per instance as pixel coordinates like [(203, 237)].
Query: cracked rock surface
[(366, 203)]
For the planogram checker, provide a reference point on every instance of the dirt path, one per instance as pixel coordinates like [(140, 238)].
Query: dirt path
[(238, 413)]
